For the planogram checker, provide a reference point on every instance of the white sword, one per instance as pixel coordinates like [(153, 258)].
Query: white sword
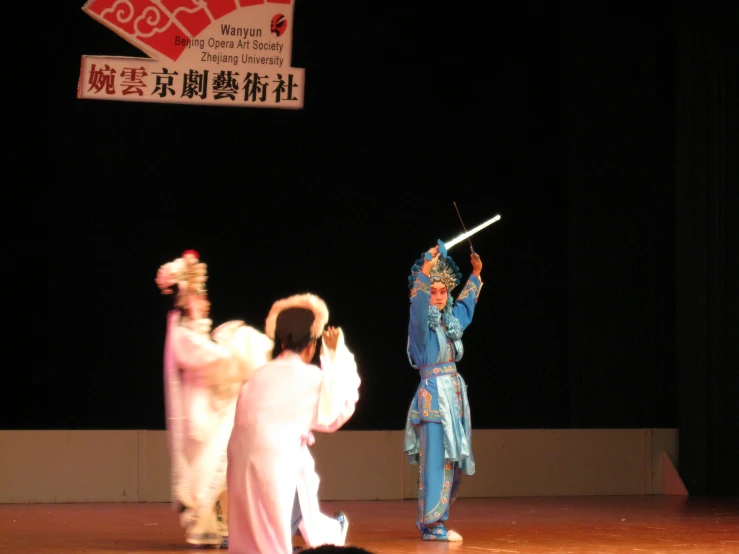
[(471, 232)]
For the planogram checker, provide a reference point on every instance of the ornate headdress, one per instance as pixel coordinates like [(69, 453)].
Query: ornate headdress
[(188, 273), (444, 271), (309, 302)]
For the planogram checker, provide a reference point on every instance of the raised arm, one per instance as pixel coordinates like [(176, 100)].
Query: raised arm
[(340, 386), (464, 307), (420, 300)]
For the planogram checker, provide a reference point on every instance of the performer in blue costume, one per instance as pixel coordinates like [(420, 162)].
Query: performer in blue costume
[(438, 432)]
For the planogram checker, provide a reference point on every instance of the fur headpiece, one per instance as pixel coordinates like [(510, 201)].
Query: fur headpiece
[(305, 301), (188, 273)]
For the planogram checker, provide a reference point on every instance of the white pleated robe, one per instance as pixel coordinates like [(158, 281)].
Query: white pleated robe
[(268, 455)]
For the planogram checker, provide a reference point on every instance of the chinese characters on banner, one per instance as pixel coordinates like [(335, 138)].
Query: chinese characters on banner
[(218, 53)]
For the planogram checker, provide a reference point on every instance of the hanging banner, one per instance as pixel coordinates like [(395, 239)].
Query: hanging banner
[(214, 52)]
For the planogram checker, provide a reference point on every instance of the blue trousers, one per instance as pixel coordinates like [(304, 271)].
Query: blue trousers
[(439, 479)]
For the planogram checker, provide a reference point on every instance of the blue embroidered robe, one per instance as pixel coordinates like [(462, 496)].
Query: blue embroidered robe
[(441, 396)]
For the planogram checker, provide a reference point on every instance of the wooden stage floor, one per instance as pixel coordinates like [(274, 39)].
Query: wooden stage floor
[(566, 525)]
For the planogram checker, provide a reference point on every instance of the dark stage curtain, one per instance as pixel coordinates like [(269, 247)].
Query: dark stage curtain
[(707, 241), (619, 127)]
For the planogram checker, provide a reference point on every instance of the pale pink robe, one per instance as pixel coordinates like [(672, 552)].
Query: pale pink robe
[(202, 378)]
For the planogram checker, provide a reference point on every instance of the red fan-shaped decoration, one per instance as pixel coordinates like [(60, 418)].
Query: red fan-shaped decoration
[(154, 26)]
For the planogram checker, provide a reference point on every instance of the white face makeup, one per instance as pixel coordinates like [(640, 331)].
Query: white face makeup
[(438, 295)]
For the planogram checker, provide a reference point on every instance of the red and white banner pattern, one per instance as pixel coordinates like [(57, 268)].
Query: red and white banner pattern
[(208, 52)]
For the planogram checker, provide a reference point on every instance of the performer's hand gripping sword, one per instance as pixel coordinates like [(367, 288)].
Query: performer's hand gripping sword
[(444, 246)]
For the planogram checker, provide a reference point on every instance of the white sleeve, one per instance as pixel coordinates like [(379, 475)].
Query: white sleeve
[(339, 388)]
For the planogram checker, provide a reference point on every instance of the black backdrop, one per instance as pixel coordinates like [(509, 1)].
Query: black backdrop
[(605, 138), (707, 240)]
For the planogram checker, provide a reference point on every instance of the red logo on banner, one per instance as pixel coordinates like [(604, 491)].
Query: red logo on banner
[(279, 24)]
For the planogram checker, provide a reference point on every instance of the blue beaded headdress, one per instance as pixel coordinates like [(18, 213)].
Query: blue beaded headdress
[(444, 271)]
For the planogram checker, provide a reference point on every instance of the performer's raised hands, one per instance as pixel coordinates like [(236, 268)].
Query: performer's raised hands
[(476, 264), (331, 337), (430, 259)]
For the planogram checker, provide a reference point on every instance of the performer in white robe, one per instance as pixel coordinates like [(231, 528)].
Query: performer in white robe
[(202, 379), (276, 413)]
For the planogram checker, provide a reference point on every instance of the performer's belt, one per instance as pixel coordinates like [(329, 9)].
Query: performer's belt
[(435, 370)]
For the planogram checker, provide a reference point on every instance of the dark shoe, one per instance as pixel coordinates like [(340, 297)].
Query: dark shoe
[(224, 544), (344, 522)]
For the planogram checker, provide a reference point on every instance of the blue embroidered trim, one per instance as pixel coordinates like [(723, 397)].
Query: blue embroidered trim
[(430, 371)]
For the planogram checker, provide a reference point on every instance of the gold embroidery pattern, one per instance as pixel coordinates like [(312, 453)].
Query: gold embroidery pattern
[(424, 413), (425, 400), (431, 415), (423, 287), (458, 393), (447, 368), (421, 466), (435, 513), (470, 287)]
